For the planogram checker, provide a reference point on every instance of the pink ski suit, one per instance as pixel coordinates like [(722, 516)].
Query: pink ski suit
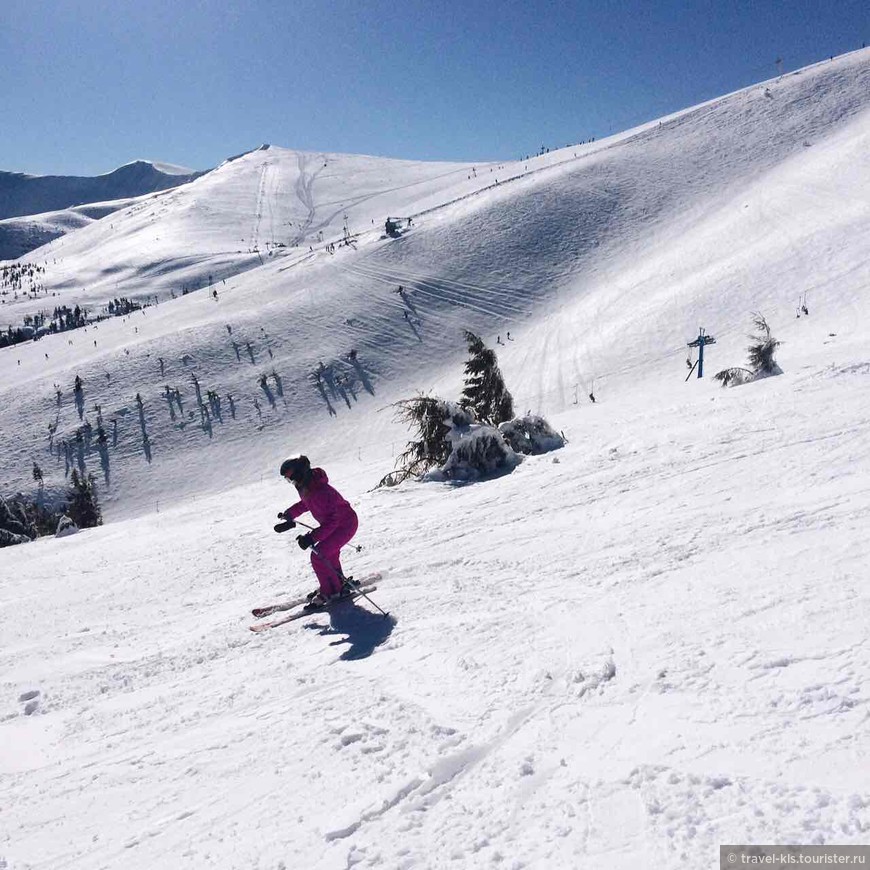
[(338, 524)]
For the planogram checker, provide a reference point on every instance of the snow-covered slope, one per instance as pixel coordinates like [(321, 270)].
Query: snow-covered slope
[(35, 209), (20, 235), (620, 655), (601, 259), (22, 194)]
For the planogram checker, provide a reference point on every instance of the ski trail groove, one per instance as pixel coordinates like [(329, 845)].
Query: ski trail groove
[(443, 294), (304, 189), (424, 789), (258, 208)]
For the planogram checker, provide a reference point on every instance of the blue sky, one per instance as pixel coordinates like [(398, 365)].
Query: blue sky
[(86, 86)]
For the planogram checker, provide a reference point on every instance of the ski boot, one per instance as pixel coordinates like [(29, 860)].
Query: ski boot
[(349, 586)]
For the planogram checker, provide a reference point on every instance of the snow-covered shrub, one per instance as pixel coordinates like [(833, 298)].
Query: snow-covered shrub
[(734, 377), (761, 358), (22, 519), (9, 539), (531, 435), (476, 451), (450, 444), (475, 438), (65, 527), (432, 419), (13, 518)]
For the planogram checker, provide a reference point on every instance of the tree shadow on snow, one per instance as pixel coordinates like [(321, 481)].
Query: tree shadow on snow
[(322, 391), (364, 630), (361, 374), (104, 459), (343, 393)]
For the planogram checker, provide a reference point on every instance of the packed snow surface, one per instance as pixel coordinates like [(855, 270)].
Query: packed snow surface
[(622, 654), (20, 235)]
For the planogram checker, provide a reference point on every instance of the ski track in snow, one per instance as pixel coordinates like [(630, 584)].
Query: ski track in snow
[(304, 188)]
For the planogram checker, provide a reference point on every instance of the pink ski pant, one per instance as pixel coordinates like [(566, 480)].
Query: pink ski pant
[(326, 561)]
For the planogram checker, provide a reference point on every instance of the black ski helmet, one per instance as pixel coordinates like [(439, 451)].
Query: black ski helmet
[(296, 468)]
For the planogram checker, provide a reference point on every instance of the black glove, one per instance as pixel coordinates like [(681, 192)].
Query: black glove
[(289, 523), (305, 541)]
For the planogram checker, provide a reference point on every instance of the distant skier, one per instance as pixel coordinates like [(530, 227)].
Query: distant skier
[(338, 523)]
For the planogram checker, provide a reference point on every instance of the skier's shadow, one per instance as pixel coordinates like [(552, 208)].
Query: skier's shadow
[(364, 630)]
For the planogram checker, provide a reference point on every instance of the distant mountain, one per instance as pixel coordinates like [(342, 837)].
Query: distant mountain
[(21, 235), (22, 194), (35, 209)]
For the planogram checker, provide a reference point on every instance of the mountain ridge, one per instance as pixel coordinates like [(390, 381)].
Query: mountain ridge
[(22, 194)]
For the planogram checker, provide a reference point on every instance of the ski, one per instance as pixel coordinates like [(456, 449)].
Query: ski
[(268, 610), (260, 612), (310, 609)]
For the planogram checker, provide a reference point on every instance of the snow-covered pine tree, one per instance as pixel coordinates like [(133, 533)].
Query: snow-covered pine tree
[(761, 357), (762, 349), (485, 392)]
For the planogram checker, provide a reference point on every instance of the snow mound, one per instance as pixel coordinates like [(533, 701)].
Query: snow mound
[(65, 527)]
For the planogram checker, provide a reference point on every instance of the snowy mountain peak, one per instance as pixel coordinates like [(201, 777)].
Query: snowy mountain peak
[(163, 168)]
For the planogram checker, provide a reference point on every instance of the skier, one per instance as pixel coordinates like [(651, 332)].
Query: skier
[(338, 524)]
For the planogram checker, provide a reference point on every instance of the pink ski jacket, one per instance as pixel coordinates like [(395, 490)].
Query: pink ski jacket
[(325, 503)]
